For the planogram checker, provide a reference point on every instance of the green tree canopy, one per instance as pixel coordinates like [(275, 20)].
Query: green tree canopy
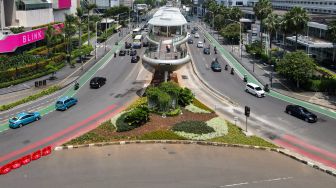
[(297, 66), (231, 32), (298, 21)]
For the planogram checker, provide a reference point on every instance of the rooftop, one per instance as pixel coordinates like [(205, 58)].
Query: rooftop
[(168, 16)]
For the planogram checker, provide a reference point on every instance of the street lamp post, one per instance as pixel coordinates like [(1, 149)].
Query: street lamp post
[(96, 40), (254, 60)]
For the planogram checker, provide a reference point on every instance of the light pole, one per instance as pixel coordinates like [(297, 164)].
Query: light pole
[(213, 22), (96, 40), (254, 60)]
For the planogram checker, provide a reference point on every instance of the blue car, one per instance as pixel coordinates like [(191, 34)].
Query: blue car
[(64, 103), (23, 118)]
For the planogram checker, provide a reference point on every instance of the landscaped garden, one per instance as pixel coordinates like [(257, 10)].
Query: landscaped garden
[(168, 112)]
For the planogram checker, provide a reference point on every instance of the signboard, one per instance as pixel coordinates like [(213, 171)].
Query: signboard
[(12, 42), (64, 4)]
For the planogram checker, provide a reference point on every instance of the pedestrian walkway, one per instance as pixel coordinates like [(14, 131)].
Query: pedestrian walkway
[(260, 76)]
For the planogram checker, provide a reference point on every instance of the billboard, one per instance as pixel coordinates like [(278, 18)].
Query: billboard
[(64, 4), (11, 42)]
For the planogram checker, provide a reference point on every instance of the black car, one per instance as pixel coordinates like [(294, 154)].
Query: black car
[(195, 28), (215, 66), (128, 45), (122, 52), (301, 112), (190, 41), (145, 44), (133, 53), (193, 31), (97, 82), (135, 59), (206, 51)]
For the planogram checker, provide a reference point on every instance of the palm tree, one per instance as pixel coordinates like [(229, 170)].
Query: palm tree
[(235, 13), (50, 37), (69, 30), (298, 21), (271, 23), (332, 36), (285, 28), (89, 8), (262, 9), (79, 14)]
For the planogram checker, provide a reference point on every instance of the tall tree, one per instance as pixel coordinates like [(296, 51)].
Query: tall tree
[(297, 66), (298, 21), (285, 28), (235, 14), (79, 14), (50, 37), (89, 9), (70, 31), (271, 23), (262, 9), (332, 36)]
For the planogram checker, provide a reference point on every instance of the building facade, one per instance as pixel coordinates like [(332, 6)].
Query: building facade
[(30, 13), (312, 6)]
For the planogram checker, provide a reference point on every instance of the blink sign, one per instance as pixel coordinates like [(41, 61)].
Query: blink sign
[(63, 4), (12, 42)]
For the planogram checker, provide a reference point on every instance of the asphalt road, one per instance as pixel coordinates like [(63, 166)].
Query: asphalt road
[(94, 105), (317, 139), (159, 165)]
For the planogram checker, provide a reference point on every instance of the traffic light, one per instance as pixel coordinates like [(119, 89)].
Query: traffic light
[(247, 111)]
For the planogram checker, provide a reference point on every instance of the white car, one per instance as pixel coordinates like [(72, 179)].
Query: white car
[(200, 44), (196, 35), (254, 89)]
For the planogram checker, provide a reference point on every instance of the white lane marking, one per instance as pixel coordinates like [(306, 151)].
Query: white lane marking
[(258, 181)]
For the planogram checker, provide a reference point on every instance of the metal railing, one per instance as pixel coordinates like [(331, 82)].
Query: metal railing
[(166, 56)]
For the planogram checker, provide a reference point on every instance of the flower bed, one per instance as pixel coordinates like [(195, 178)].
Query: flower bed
[(217, 124), (195, 109)]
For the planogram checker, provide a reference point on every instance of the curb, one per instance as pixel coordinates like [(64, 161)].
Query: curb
[(284, 152)]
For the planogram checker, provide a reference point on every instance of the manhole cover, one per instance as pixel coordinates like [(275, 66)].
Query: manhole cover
[(184, 77), (26, 142), (171, 152)]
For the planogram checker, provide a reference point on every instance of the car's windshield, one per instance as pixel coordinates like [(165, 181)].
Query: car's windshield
[(14, 118), (59, 102), (258, 88)]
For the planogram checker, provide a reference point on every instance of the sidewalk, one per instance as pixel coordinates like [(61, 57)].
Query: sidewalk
[(65, 76), (279, 84)]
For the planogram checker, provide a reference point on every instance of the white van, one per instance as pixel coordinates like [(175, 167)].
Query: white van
[(254, 89)]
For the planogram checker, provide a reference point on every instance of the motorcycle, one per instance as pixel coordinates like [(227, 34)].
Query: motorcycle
[(76, 86)]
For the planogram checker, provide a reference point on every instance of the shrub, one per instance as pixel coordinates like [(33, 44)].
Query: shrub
[(121, 125), (161, 135), (185, 97), (137, 103), (196, 127), (137, 116), (174, 112), (195, 109)]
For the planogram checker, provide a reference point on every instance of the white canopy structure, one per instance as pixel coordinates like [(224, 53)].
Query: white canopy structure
[(168, 16)]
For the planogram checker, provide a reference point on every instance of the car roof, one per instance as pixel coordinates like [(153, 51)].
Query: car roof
[(252, 84), (22, 114), (200, 42), (63, 98)]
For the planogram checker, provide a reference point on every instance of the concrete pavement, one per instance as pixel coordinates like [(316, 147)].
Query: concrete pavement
[(166, 165)]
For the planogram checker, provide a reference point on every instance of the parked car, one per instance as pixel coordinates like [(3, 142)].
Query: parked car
[(215, 66), (200, 44), (122, 52), (97, 82), (64, 103), (206, 51), (254, 89), (301, 112), (190, 41), (133, 53), (135, 59), (196, 35), (23, 118), (128, 45)]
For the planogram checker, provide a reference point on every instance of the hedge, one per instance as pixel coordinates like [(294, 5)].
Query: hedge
[(161, 135), (48, 91), (45, 25), (196, 127)]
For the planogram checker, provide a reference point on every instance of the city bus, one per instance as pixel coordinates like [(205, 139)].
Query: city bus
[(137, 41)]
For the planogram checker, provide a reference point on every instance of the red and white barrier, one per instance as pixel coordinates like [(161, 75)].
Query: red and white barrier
[(25, 160)]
